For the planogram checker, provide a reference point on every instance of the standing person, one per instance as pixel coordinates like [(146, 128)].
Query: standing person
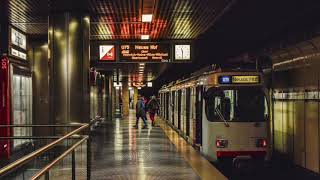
[(140, 112), (153, 107)]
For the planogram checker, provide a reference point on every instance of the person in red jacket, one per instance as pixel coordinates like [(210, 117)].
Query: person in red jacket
[(153, 107)]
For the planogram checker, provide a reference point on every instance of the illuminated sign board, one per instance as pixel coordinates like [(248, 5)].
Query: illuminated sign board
[(18, 39), (150, 52), (225, 80), (182, 52), (18, 54), (107, 53), (239, 79)]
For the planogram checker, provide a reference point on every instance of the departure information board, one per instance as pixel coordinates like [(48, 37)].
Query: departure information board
[(147, 52)]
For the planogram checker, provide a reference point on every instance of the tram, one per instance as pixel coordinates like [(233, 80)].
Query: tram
[(222, 113)]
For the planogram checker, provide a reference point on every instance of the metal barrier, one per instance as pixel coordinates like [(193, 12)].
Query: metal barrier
[(80, 149)]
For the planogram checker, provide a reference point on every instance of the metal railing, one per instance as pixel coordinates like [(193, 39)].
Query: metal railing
[(46, 170), (80, 148)]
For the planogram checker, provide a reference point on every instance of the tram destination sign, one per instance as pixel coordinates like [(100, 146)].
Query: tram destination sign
[(146, 52), (239, 79)]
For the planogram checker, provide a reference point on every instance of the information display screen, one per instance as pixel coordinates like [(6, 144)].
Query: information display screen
[(239, 79), (149, 52)]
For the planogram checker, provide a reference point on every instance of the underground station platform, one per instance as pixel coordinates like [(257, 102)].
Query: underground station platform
[(159, 89)]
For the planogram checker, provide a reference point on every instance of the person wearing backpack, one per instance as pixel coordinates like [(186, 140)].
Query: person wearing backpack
[(141, 113), (153, 107)]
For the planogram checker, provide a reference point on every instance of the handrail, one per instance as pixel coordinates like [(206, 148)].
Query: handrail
[(41, 125), (49, 166), (40, 151), (46, 125), (36, 137)]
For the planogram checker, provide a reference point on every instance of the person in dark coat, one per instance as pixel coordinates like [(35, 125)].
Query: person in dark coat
[(153, 107), (141, 113)]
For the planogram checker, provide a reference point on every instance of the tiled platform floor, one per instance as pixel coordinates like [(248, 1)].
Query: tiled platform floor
[(120, 151)]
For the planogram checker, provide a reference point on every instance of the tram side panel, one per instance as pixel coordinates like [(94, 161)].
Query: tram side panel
[(192, 122)]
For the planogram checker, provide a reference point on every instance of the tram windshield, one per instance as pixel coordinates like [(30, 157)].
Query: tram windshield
[(245, 104)]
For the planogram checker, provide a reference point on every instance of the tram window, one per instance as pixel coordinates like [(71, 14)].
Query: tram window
[(239, 105)]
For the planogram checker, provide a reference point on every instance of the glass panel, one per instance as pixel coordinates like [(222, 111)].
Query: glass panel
[(22, 106), (240, 105)]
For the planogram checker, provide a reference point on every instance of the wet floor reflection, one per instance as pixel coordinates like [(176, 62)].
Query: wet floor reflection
[(120, 151)]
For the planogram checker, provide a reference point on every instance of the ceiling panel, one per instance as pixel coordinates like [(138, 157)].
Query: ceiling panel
[(28, 15), (172, 19), (121, 19)]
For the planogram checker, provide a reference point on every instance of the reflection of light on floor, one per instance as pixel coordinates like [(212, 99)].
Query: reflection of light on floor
[(141, 167), (118, 141), (132, 137)]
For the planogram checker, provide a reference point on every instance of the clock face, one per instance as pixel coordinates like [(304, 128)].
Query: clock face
[(182, 52)]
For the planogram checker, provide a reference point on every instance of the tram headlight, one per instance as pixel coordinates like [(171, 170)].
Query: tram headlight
[(261, 143), (221, 143)]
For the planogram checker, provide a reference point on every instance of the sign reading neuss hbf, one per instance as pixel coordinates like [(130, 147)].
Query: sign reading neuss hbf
[(151, 52)]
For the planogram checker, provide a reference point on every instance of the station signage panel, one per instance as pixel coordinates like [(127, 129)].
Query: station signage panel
[(18, 39), (239, 79), (18, 44), (18, 54), (147, 52), (107, 53)]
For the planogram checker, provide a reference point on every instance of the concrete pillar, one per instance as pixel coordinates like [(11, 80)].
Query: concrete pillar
[(69, 40), (125, 98), (109, 87), (38, 55), (135, 96)]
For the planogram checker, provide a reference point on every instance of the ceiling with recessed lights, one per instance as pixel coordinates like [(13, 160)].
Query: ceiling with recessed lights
[(123, 19)]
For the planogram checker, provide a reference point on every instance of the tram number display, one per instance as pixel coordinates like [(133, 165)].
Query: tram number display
[(150, 52), (239, 79)]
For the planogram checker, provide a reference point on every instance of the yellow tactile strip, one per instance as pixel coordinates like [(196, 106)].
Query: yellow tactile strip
[(200, 165)]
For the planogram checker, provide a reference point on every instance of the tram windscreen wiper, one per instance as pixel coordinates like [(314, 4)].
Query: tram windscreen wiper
[(222, 117)]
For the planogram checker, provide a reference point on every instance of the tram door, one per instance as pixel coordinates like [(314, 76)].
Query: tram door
[(192, 115), (172, 106), (179, 109), (187, 106), (199, 102), (167, 105)]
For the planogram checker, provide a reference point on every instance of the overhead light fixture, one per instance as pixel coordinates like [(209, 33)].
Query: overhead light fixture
[(146, 17), (149, 84), (145, 37), (117, 84)]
